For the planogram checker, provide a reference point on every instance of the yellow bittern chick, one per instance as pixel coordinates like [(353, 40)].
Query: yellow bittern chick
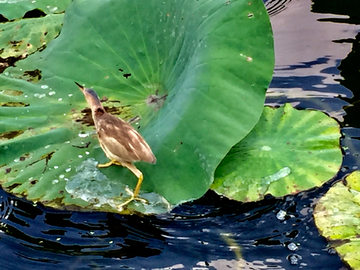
[(121, 143)]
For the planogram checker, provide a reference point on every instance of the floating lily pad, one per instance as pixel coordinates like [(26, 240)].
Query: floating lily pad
[(337, 215), (23, 37), (14, 9), (194, 73), (287, 151)]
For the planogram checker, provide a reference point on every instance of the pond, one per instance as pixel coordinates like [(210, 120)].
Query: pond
[(311, 40)]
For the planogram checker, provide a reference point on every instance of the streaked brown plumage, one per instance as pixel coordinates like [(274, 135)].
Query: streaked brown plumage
[(121, 143)]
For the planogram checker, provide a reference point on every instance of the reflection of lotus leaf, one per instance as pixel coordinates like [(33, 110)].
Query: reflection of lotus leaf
[(337, 215), (195, 72), (287, 151)]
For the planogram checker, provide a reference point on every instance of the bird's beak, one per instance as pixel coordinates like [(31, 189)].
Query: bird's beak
[(91, 97), (80, 87)]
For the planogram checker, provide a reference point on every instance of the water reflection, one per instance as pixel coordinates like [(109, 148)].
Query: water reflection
[(192, 235), (350, 71), (275, 7), (347, 8), (307, 55)]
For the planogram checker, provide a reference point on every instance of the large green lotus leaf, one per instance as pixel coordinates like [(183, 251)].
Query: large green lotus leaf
[(337, 215), (195, 72), (287, 151), (23, 37), (14, 9)]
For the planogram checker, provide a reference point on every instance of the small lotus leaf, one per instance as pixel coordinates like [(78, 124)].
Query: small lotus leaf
[(337, 215), (287, 151)]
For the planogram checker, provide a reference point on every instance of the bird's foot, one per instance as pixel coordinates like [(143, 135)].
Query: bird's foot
[(108, 164), (132, 198)]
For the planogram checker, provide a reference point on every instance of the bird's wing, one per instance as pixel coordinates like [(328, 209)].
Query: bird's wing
[(120, 139)]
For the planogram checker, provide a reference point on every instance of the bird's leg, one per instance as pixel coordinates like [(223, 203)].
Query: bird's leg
[(132, 198), (108, 164), (138, 185), (134, 194)]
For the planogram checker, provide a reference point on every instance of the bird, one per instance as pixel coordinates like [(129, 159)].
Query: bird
[(121, 143)]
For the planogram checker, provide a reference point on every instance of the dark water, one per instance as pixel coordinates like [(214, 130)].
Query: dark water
[(315, 68)]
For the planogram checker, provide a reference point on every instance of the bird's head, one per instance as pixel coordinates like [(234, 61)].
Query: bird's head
[(92, 100)]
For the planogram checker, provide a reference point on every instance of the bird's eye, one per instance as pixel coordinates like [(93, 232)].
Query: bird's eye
[(99, 110)]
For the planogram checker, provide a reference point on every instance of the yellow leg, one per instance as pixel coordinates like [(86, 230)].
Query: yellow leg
[(138, 185), (108, 164), (132, 198), (134, 195)]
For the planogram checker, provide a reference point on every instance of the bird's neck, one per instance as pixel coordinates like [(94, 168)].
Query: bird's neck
[(96, 113)]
